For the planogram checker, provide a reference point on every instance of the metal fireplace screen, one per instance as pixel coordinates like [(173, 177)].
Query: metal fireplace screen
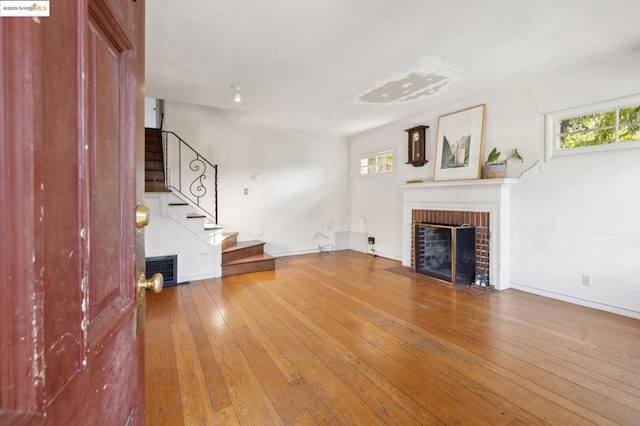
[(445, 252), (166, 265)]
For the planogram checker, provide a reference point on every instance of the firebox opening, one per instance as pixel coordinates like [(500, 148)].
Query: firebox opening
[(445, 252)]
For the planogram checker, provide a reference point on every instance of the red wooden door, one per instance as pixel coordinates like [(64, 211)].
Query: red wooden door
[(71, 129)]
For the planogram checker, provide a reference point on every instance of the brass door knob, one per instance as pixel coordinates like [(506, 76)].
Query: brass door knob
[(142, 216), (154, 283)]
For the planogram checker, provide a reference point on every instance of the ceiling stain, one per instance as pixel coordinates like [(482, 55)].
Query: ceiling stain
[(428, 79)]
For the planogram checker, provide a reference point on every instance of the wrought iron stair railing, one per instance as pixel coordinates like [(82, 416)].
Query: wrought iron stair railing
[(191, 175)]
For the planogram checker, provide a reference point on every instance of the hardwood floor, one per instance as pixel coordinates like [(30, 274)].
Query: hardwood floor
[(338, 339)]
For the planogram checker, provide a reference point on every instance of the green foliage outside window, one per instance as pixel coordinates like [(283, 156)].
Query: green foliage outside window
[(619, 125)]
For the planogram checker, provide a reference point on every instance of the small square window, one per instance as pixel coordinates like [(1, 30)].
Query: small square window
[(377, 163)]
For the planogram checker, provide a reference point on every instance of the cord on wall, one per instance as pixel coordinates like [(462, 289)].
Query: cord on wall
[(326, 248)]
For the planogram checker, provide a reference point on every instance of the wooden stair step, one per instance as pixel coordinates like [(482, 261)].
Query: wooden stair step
[(229, 239), (153, 148), (243, 245), (153, 165), (154, 156), (256, 263), (151, 186), (151, 175), (242, 249), (155, 135), (262, 257)]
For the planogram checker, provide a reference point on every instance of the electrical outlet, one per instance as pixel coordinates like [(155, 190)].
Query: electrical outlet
[(586, 279), (371, 240)]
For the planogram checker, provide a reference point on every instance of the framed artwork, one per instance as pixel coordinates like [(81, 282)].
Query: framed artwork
[(459, 144)]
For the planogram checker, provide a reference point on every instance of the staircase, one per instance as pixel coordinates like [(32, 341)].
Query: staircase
[(245, 256), (154, 175), (236, 257)]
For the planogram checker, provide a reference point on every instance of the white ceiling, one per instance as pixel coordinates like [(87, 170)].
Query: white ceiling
[(305, 64)]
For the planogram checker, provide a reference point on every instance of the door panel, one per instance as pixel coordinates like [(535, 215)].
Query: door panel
[(71, 89), (105, 143), (110, 295)]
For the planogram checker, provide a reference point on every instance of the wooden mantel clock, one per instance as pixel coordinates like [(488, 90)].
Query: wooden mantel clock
[(416, 147)]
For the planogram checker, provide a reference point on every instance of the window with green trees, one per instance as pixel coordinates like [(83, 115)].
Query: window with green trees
[(607, 126), (601, 128)]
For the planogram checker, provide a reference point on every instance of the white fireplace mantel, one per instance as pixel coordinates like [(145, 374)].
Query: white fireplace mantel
[(482, 195)]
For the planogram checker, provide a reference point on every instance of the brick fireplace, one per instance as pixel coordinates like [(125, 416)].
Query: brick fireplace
[(483, 203), (479, 220)]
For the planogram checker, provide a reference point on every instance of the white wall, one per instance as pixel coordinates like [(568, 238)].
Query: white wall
[(170, 233), (151, 113), (297, 181), (569, 217)]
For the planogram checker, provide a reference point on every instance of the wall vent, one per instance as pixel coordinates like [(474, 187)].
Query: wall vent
[(166, 265)]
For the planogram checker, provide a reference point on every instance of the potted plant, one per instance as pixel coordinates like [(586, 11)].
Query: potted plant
[(494, 167)]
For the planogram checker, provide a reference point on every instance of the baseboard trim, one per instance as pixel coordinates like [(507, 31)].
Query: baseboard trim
[(380, 254), (577, 301), (316, 251)]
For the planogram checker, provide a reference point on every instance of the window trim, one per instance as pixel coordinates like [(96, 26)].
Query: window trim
[(391, 151), (552, 120)]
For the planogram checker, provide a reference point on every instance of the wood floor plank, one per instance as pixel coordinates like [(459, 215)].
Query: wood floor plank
[(329, 349), (583, 363), (570, 374), (339, 342), (580, 316), (601, 366), (384, 300), (442, 406), (439, 375), (250, 401), (343, 363), (162, 398), (555, 410), (616, 411), (196, 405), (321, 413), (339, 338), (346, 405), (465, 391), (226, 417), (285, 366), (216, 387), (283, 395), (614, 344), (227, 310)]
